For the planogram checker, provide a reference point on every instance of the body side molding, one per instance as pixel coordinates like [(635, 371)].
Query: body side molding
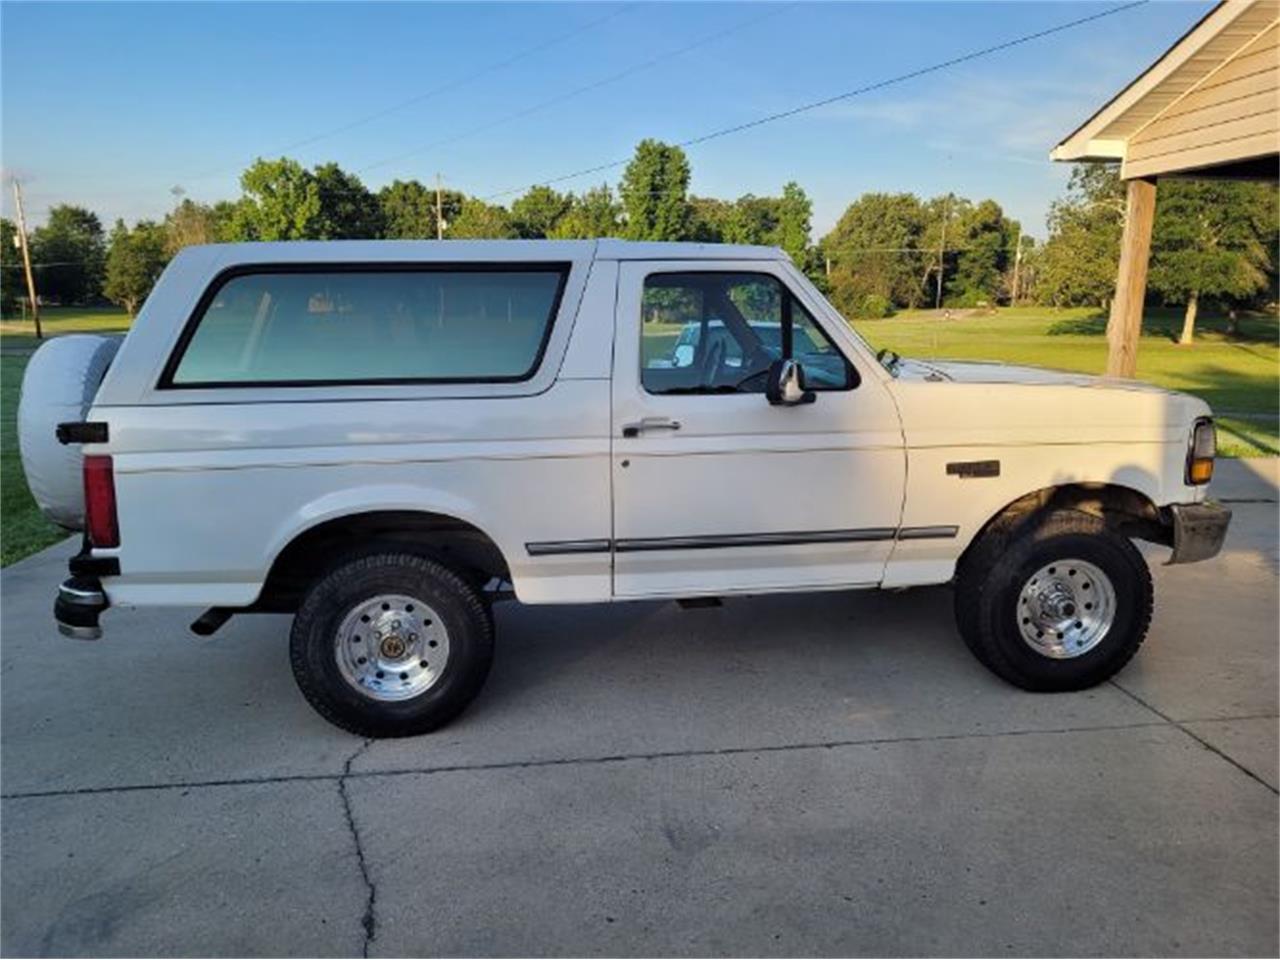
[(547, 548)]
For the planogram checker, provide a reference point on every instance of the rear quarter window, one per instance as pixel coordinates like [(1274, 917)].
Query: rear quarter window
[(303, 326)]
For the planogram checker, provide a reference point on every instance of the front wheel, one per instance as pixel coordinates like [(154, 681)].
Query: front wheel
[(1062, 604), (391, 645)]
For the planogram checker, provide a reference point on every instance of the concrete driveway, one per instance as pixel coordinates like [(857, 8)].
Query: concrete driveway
[(821, 774)]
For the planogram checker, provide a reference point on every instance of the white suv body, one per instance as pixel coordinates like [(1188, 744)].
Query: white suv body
[(588, 474)]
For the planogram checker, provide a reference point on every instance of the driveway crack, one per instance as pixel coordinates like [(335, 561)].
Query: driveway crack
[(1194, 736), (537, 763), (369, 919)]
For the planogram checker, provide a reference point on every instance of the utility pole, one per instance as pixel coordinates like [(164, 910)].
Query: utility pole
[(942, 252), (1017, 262), (26, 257), (439, 211)]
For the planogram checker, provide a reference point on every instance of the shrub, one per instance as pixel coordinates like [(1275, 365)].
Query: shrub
[(873, 306)]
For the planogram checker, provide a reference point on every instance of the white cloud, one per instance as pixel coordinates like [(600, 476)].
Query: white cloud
[(1017, 120)]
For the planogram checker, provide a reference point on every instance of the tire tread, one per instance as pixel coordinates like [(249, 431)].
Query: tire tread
[(367, 723), (998, 556)]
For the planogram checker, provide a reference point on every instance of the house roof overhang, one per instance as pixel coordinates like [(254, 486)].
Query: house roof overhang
[(1210, 43)]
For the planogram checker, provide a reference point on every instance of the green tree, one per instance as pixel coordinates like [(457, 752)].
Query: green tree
[(222, 221), (794, 213), (944, 219), (709, 217), (347, 210), (135, 260), (984, 240), (12, 281), (409, 209), (481, 221), (281, 202), (752, 220), (1212, 239), (1077, 264), (877, 250), (188, 224), (1027, 272), (537, 213), (191, 223), (595, 213), (655, 193), (71, 251)]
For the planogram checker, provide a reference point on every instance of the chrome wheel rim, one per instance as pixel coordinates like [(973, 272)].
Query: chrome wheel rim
[(1066, 608), (391, 647)]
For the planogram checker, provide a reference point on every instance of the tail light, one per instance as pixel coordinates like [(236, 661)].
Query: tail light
[(100, 502), (1200, 452)]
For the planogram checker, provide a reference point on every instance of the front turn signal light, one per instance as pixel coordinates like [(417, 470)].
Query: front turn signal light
[(1201, 451)]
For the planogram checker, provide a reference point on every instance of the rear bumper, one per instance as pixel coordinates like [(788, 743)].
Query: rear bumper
[(1199, 530), (80, 602)]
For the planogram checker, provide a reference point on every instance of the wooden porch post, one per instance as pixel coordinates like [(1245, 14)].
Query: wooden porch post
[(1124, 326)]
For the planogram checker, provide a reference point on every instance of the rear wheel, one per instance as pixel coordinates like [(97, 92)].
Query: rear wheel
[(1061, 603), (391, 645)]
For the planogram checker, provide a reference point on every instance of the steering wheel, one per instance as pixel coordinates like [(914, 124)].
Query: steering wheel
[(759, 362)]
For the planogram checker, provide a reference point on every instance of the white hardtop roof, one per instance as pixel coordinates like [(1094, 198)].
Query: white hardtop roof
[(465, 251), (655, 250)]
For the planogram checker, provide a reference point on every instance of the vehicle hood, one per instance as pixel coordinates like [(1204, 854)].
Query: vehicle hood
[(956, 403), (966, 371)]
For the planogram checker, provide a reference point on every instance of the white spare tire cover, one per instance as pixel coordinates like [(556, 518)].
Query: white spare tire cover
[(58, 386)]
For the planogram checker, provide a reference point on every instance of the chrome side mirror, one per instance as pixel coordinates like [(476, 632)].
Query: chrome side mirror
[(785, 386)]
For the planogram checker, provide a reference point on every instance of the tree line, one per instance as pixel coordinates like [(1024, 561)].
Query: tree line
[(1214, 240)]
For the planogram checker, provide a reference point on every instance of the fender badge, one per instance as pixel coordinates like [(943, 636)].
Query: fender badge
[(974, 468)]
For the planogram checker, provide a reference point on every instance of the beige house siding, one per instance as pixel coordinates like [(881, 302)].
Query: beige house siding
[(1232, 114)]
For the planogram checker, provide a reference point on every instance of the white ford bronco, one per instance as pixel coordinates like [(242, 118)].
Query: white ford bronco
[(382, 438)]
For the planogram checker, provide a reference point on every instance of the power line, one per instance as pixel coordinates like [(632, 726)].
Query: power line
[(794, 111), (827, 101), (444, 88), (578, 91)]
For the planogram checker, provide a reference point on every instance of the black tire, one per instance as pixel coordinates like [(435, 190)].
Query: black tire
[(315, 662), (991, 577)]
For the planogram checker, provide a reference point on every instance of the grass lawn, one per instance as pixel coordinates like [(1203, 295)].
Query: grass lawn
[(1238, 376)]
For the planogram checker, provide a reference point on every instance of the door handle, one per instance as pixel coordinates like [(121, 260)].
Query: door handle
[(638, 427)]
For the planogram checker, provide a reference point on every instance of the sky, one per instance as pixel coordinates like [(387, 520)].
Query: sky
[(113, 105)]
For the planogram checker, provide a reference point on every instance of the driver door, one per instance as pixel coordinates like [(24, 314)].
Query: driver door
[(716, 490)]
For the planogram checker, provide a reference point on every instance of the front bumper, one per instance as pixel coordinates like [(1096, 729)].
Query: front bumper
[(1199, 530)]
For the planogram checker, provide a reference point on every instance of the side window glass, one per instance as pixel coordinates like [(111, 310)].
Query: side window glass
[(300, 325), (717, 332), (825, 367), (709, 332)]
